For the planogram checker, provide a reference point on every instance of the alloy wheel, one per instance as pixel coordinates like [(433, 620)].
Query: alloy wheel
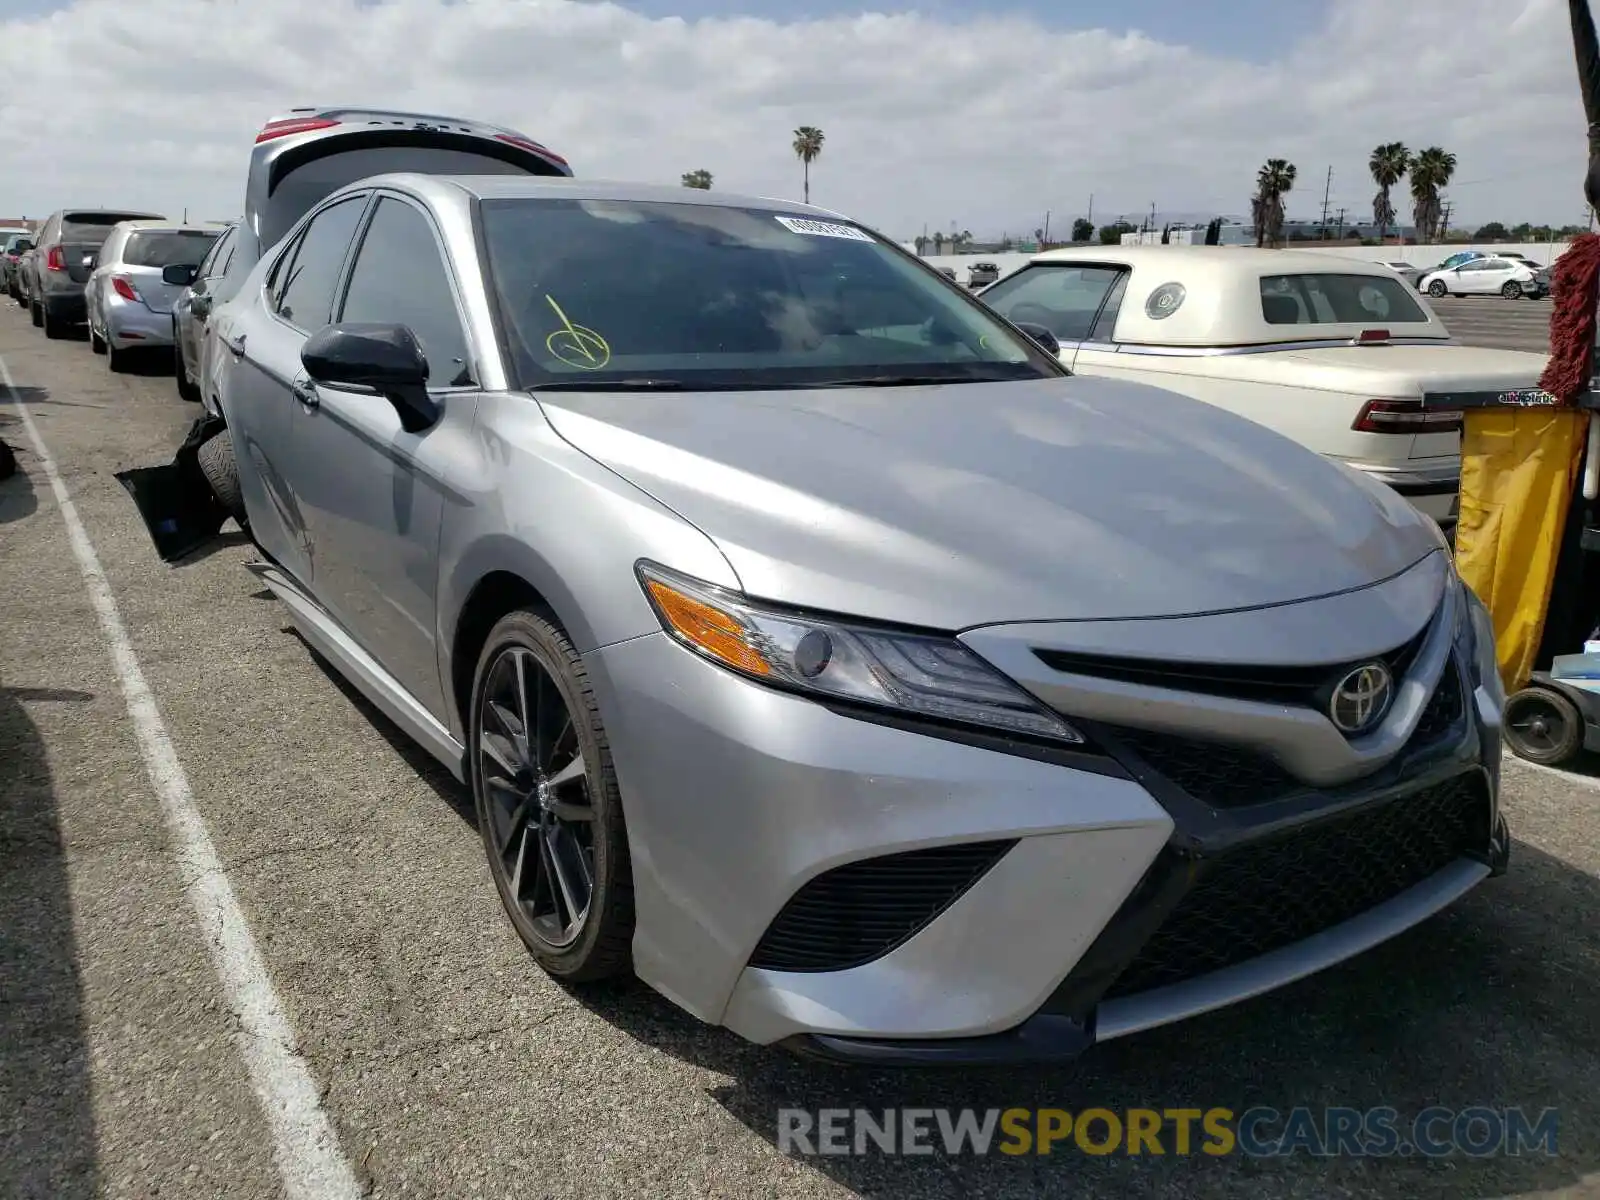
[(540, 811)]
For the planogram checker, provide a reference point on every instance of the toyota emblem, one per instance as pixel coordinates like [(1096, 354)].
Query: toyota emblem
[(1361, 698)]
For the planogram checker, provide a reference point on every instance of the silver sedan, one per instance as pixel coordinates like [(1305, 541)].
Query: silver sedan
[(818, 649), (128, 298)]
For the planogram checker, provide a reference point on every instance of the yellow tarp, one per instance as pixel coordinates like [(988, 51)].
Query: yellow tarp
[(1518, 470)]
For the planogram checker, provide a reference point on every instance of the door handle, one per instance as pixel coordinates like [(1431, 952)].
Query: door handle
[(306, 392), (235, 343)]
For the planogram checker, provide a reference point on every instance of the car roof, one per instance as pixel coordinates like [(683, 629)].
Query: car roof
[(1222, 303), (549, 187), (148, 226)]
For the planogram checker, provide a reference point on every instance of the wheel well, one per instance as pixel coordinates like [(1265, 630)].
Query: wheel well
[(495, 595)]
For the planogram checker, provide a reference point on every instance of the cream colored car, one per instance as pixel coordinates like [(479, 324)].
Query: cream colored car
[(1335, 353)]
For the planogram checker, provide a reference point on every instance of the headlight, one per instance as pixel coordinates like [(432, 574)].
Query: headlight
[(916, 674)]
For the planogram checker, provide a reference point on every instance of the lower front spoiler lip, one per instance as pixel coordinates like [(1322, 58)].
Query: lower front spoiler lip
[(1053, 1038)]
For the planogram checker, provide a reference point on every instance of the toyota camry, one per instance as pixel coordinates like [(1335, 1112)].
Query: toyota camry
[(819, 649)]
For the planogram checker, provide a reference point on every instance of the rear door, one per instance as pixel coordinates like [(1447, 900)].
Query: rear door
[(261, 342)]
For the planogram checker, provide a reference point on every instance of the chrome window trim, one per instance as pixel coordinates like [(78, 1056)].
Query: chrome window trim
[(1161, 351)]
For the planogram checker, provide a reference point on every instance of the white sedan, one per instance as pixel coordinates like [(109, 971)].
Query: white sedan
[(1512, 278), (1338, 354)]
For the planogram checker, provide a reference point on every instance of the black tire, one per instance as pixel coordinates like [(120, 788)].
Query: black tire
[(118, 360), (602, 946), (222, 473), (36, 314), (1437, 289), (54, 328), (96, 343), (1543, 726), (1512, 290)]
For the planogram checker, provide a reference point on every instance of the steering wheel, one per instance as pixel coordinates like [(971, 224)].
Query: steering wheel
[(1033, 314)]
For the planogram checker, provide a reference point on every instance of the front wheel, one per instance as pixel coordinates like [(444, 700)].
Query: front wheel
[(549, 809), (1543, 726), (1512, 291), (1437, 290), (221, 470)]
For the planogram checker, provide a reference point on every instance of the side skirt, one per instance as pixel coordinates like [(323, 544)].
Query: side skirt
[(319, 628)]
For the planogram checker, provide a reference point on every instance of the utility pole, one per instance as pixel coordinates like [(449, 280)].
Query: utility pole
[(1046, 227), (1327, 190), (1340, 238), (1444, 221), (1152, 216), (1091, 209)]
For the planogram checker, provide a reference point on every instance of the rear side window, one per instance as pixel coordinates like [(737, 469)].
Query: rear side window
[(305, 290), (1065, 298), (399, 277), (164, 248), (1337, 300)]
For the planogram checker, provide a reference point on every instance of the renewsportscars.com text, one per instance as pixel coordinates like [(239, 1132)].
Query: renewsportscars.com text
[(1260, 1132)]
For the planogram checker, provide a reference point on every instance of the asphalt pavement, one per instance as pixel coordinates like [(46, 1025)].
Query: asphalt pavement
[(446, 1063), (1496, 321)]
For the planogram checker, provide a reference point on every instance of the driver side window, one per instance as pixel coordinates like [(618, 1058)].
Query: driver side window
[(304, 280), (1065, 298)]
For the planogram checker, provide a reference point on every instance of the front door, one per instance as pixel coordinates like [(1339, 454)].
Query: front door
[(371, 493)]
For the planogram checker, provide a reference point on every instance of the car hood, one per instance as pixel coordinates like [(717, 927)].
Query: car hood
[(957, 505)]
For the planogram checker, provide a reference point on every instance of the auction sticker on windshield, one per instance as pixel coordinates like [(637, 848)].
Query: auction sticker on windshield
[(823, 229)]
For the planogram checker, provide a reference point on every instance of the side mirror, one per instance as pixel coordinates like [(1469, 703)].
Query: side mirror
[(385, 358), (1041, 335), (179, 274)]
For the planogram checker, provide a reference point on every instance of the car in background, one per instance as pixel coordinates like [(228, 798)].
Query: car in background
[(1488, 275), (982, 274), (21, 279), (1337, 354), (13, 244), (192, 308), (1412, 275), (1541, 275), (307, 153), (128, 298), (64, 257), (948, 272), (835, 661)]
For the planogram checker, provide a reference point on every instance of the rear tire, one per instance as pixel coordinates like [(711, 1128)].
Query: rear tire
[(54, 328), (1437, 290), (96, 343), (1543, 726), (36, 314), (221, 470), (116, 359)]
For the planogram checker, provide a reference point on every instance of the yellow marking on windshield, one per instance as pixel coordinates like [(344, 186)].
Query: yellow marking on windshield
[(576, 345)]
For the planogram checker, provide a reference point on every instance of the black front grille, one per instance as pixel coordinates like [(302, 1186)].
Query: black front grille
[(1214, 773), (1265, 895), (1300, 685), (1443, 712), (860, 911)]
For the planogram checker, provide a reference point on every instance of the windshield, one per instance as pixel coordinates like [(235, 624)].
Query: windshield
[(1337, 300), (598, 292), (166, 247)]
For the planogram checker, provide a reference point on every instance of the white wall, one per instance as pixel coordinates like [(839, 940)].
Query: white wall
[(1422, 256)]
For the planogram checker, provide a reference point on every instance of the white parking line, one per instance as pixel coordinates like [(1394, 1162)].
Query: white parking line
[(310, 1161)]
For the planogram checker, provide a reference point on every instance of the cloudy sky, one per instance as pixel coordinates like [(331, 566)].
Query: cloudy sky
[(978, 113)]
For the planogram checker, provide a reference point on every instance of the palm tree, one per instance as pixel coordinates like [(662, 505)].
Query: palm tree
[(808, 148), (1273, 182), (1388, 163), (698, 179), (1431, 171)]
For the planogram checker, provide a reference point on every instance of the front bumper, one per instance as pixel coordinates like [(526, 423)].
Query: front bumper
[(129, 325), (764, 826)]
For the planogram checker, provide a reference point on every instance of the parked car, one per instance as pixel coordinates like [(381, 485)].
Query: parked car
[(64, 256), (13, 244), (128, 297), (1334, 353), (21, 279), (307, 153), (1488, 276), (192, 308), (787, 646), (1412, 275), (982, 274), (948, 272)]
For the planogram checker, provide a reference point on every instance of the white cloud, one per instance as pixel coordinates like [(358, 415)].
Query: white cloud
[(986, 123)]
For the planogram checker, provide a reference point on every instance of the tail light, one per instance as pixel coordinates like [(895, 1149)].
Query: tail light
[(1405, 416), (522, 143), (55, 259), (278, 129), (123, 286)]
